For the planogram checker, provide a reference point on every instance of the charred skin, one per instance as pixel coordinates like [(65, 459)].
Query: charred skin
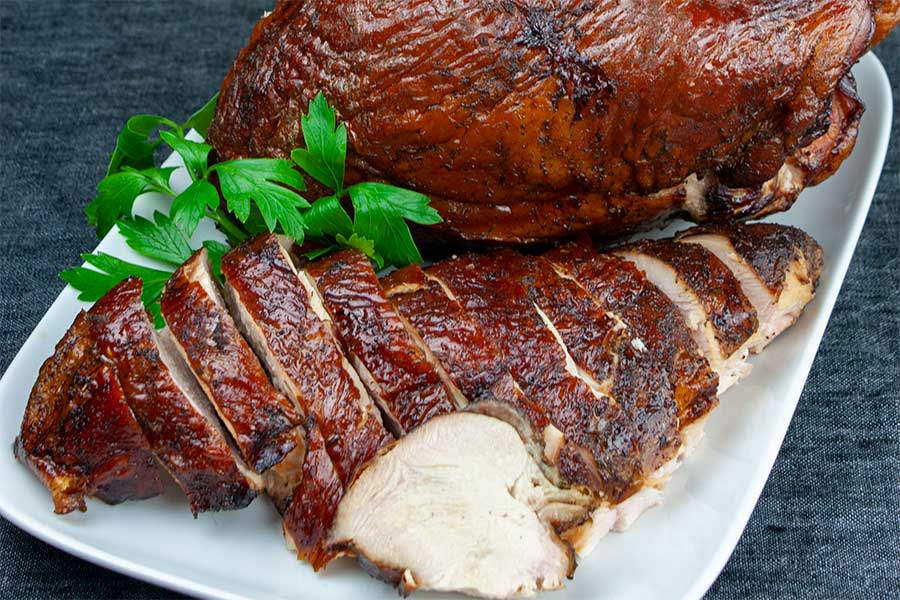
[(601, 345), (192, 450), (78, 435), (601, 453), (526, 122), (304, 346), (622, 289), (727, 308), (400, 376), (769, 248), (263, 423), (458, 342)]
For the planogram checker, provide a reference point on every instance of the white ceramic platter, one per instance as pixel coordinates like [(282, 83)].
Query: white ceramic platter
[(674, 551)]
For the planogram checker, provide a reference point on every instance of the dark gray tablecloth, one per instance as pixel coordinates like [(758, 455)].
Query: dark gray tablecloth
[(828, 522)]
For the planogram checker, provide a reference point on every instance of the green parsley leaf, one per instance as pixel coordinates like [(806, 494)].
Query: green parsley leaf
[(201, 119), (157, 179), (255, 224), (133, 146), (115, 197), (379, 213), (326, 216), (267, 183), (319, 252), (190, 206), (194, 154), (116, 194), (216, 250), (160, 239), (93, 284), (156, 312), (326, 145), (365, 245)]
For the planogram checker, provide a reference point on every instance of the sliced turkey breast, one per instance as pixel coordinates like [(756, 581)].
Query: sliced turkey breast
[(460, 504), (601, 452), (777, 267), (282, 317), (78, 435), (663, 342), (174, 414), (393, 362), (603, 346), (263, 423), (718, 314), (308, 515), (455, 339)]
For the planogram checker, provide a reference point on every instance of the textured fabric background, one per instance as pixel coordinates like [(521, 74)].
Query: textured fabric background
[(828, 522)]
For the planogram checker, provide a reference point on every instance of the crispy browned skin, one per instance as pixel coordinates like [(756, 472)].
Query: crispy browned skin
[(608, 460), (458, 342), (190, 447), (263, 423), (770, 249), (78, 435), (603, 348), (621, 288), (261, 273), (528, 121), (308, 516), (727, 309), (393, 366), (887, 15)]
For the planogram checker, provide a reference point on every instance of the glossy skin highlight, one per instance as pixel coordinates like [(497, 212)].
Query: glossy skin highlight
[(78, 435), (190, 447), (263, 423), (303, 344), (400, 376)]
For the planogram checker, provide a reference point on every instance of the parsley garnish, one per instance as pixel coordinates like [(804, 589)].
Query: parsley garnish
[(244, 197)]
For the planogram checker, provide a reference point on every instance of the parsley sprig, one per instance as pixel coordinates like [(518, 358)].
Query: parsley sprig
[(244, 197)]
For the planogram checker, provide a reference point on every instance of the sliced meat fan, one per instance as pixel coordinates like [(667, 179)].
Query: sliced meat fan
[(596, 371)]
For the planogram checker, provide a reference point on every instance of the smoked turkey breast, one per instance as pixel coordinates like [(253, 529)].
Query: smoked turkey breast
[(527, 121)]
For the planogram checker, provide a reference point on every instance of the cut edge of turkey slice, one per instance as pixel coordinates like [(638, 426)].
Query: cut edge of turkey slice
[(460, 504), (552, 437), (256, 338), (776, 313), (172, 356), (363, 380), (280, 479), (306, 282), (730, 369), (459, 399)]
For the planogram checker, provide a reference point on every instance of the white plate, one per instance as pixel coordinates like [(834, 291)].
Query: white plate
[(675, 551)]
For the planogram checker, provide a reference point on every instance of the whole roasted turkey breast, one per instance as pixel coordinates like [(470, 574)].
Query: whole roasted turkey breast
[(527, 121)]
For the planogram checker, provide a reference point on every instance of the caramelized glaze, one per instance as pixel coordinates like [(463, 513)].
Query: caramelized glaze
[(394, 367), (78, 435), (602, 453), (264, 424), (190, 447), (304, 346)]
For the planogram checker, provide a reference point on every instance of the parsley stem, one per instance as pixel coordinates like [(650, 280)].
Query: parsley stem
[(234, 233)]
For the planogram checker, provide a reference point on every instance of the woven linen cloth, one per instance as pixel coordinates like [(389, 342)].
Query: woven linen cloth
[(828, 522)]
